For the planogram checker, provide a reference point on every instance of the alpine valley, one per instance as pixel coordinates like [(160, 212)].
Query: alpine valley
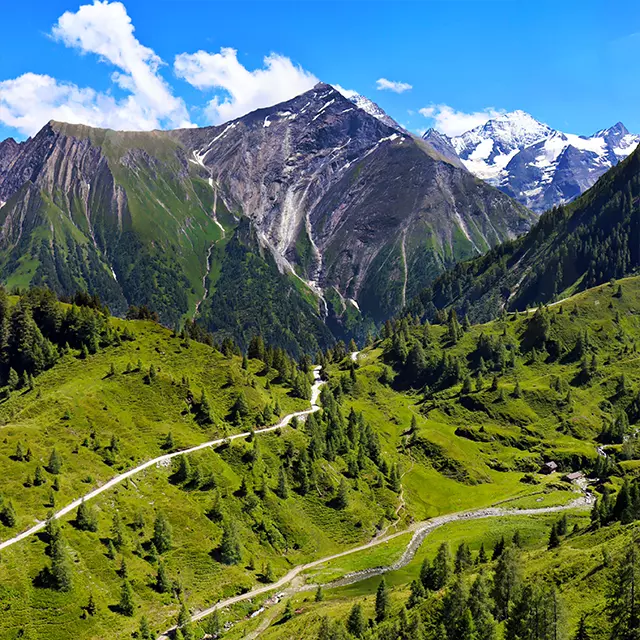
[(304, 376)]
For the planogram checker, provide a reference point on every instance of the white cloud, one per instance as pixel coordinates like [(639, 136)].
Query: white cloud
[(382, 84), (278, 80), (105, 29), (454, 123), (347, 93)]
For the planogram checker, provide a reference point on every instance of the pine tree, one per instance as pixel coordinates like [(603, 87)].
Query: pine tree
[(517, 541), (342, 495), (184, 620), (623, 597), (86, 519), (213, 626), (356, 623), (319, 597), (38, 477), (19, 454), (117, 531), (498, 549), (168, 444), (91, 607), (144, 632), (8, 514), (382, 601), (55, 462), (61, 571), (288, 611), (13, 379), (268, 573), (230, 546), (426, 574), (183, 472), (482, 555), (124, 570), (463, 558), (480, 604), (507, 580), (454, 607), (283, 489), (554, 538), (417, 594), (517, 391), (126, 605), (395, 483), (441, 570), (162, 534)]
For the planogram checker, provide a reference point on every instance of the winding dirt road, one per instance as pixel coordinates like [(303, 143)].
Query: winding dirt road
[(315, 394), (420, 531)]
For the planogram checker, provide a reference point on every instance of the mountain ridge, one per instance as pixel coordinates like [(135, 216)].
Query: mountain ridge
[(573, 247)]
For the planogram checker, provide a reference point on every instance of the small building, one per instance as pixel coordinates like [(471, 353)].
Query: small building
[(573, 477), (549, 467)]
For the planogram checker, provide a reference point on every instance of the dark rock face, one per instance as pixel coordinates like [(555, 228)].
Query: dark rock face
[(344, 197)]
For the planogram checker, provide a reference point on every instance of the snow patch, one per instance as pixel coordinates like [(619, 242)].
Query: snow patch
[(322, 108)]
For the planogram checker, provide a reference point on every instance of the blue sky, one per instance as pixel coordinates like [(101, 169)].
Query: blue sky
[(143, 64)]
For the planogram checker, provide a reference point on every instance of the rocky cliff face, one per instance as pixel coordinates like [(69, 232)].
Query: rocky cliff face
[(96, 210), (355, 214), (349, 202)]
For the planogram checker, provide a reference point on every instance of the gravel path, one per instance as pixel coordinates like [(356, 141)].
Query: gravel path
[(420, 531), (165, 459)]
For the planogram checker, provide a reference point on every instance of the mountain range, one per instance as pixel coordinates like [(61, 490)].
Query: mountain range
[(307, 214), (594, 239), (533, 163)]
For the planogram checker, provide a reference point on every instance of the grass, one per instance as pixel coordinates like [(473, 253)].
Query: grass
[(467, 451), (78, 398)]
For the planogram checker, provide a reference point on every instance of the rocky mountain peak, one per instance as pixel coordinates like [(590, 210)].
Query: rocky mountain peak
[(618, 130), (442, 144)]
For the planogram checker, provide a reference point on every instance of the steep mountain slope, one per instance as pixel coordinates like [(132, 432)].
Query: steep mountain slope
[(342, 207), (573, 247), (537, 165), (364, 103), (113, 213), (351, 204)]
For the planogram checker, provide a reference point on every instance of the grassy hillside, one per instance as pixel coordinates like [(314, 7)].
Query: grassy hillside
[(108, 411), (429, 420), (565, 378)]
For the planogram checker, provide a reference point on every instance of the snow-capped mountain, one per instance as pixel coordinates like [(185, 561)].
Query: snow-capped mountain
[(535, 164), (487, 149)]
